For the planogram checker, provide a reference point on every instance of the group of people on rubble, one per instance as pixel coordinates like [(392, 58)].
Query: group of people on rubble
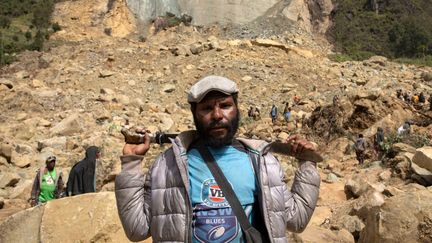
[(254, 111), (361, 145), (48, 183), (417, 100)]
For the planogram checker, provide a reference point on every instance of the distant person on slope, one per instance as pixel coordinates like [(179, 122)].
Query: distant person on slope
[(82, 177), (296, 99), (360, 148), (405, 129), (335, 100), (379, 142), (48, 183), (422, 98), (287, 112), (430, 102), (274, 113)]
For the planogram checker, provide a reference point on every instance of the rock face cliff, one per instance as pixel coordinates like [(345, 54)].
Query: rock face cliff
[(203, 12), (309, 14)]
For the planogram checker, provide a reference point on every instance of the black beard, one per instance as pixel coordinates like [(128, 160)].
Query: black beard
[(211, 141)]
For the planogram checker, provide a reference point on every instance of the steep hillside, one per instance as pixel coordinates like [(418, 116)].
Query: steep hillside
[(377, 27)]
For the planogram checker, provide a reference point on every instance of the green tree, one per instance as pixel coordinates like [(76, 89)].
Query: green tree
[(42, 13), (5, 22), (56, 27), (2, 52), (38, 41), (410, 39), (28, 35)]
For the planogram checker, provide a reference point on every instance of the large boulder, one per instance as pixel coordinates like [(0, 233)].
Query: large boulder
[(423, 158), (6, 151), (351, 223), (402, 147), (22, 227), (406, 217), (84, 218), (53, 142), (9, 179), (316, 234), (363, 205), (22, 190), (422, 176), (68, 126), (89, 217), (355, 187)]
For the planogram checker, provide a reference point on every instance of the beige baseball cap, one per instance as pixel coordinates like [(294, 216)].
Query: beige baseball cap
[(211, 83)]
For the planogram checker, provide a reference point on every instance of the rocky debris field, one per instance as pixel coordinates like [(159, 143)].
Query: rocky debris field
[(81, 92)]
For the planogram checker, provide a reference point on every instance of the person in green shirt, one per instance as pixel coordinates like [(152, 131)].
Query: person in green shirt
[(48, 183)]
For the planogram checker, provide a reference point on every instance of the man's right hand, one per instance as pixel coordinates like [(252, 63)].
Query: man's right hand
[(138, 149)]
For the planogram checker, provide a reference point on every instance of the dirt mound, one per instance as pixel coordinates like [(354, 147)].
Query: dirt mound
[(327, 122)]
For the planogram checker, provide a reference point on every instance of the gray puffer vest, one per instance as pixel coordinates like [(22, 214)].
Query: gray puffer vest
[(158, 204)]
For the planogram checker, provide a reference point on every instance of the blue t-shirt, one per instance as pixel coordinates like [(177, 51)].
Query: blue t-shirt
[(213, 218)]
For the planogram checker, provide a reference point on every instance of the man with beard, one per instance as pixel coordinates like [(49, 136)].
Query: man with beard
[(179, 199)]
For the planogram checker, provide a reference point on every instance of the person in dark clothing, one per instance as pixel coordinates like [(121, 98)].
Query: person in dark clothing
[(422, 98), (430, 102), (379, 142), (82, 178), (287, 112), (335, 100), (360, 148), (273, 113)]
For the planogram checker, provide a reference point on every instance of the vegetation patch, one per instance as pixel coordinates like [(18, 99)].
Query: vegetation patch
[(24, 25), (395, 29)]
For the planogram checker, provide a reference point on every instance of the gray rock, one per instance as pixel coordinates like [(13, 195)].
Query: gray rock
[(366, 202), (351, 223), (22, 227), (122, 99), (21, 160), (9, 179), (355, 187), (3, 161), (396, 221), (23, 189), (168, 88), (331, 178), (402, 147), (426, 76), (6, 151), (380, 60), (68, 126), (181, 50), (105, 73), (6, 83), (423, 158), (385, 175), (45, 93), (88, 218), (54, 142), (196, 48), (318, 234), (107, 91), (423, 176)]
